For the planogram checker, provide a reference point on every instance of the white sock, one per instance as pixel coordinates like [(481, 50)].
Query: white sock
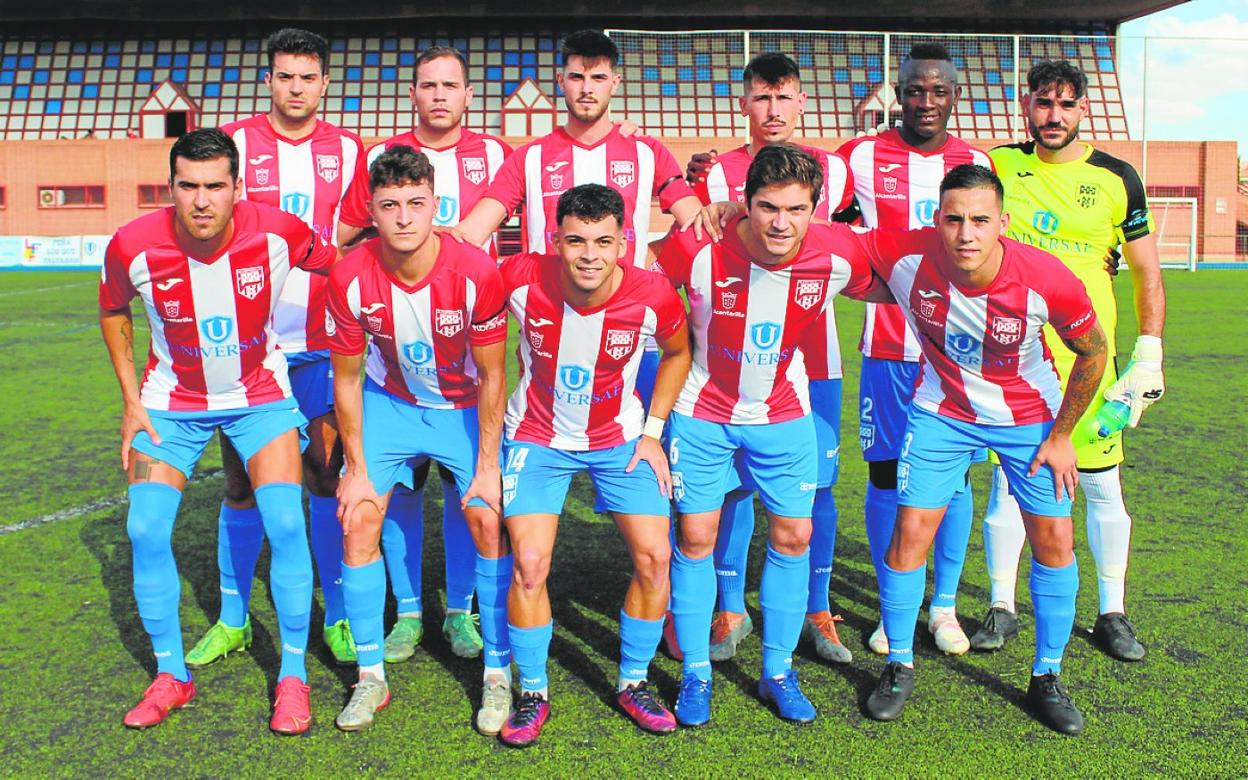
[(622, 684), (941, 612), (457, 612), (503, 672), (543, 692), (409, 615), (1004, 536), (1109, 535), (374, 670)]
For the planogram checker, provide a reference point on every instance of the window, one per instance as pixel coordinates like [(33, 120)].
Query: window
[(72, 196), (154, 196)]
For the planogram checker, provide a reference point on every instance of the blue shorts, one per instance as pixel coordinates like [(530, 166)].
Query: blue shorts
[(884, 394), (937, 451), (779, 457), (312, 382), (183, 435), (825, 407), (536, 479), (399, 436)]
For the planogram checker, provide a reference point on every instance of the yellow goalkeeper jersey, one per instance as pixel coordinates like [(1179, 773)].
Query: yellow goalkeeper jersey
[(1077, 210)]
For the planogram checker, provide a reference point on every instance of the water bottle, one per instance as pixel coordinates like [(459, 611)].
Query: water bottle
[(1111, 418)]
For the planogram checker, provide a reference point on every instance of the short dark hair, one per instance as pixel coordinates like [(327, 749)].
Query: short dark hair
[(590, 202), (206, 143), (929, 50), (1057, 73), (970, 177), (397, 166), (292, 40), (771, 68), (784, 164), (589, 45), (437, 52)]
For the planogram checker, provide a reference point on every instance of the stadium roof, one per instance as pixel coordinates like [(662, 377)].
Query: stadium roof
[(675, 14)]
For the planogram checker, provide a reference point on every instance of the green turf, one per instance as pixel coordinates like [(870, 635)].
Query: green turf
[(75, 657)]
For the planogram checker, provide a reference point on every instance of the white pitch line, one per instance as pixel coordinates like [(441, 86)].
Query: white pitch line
[(94, 506), (11, 293)]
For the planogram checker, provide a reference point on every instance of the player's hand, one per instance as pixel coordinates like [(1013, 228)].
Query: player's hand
[(627, 129), (452, 232), (651, 451), (134, 418), (1058, 453), (354, 489), (487, 485), (699, 165), (713, 218), (1142, 384), (1113, 260)]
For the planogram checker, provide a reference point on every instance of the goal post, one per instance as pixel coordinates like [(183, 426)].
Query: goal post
[(1177, 234)]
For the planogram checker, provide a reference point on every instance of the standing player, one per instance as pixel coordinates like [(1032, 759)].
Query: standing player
[(434, 387), (294, 161), (773, 102), (464, 163), (1079, 203), (896, 178), (753, 296), (209, 270), (584, 316), (978, 302)]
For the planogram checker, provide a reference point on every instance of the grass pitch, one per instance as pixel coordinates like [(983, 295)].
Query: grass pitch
[(74, 656)]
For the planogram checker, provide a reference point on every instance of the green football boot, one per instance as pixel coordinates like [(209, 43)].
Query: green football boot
[(402, 640), (218, 642), (460, 629), (340, 642)]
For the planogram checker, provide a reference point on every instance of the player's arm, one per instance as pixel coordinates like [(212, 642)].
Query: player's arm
[(673, 369), (347, 235), (483, 220), (487, 482), (117, 327), (1057, 451), (355, 487), (1142, 383)]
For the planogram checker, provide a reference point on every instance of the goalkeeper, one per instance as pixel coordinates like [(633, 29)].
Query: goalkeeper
[(1080, 204)]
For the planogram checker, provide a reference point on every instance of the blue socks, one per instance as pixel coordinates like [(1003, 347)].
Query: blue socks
[(530, 647), (290, 570), (493, 577), (403, 545), (461, 552), (901, 595), (732, 549), (880, 514), (950, 547), (1053, 593), (782, 596), (327, 551), (639, 639), (364, 596), (822, 550), (157, 588), (240, 535), (693, 593)]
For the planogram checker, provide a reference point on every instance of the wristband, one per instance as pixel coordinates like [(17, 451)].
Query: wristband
[(1147, 349), (654, 427)]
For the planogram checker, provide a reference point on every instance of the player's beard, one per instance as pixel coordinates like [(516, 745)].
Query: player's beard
[(588, 113), (1070, 137)]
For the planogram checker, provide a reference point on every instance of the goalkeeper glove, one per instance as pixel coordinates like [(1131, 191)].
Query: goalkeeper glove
[(1142, 383)]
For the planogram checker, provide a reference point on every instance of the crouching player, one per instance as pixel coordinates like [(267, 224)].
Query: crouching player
[(209, 270), (584, 320), (433, 388), (753, 297), (978, 302)]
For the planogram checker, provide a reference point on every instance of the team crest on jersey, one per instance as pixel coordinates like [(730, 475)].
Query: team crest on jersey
[(261, 175), (474, 169), (1087, 195), (172, 309), (623, 172), (809, 292), (448, 322), (249, 281), (727, 300), (890, 184), (1007, 330), (418, 352), (927, 309), (556, 181), (327, 167), (620, 342), (374, 322), (331, 327), (765, 334), (536, 339)]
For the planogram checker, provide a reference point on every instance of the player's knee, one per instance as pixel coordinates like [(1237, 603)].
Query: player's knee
[(149, 530), (1052, 543), (652, 565), (238, 492), (697, 540), (790, 538), (531, 568), (485, 527), (883, 474), (281, 510), (320, 478)]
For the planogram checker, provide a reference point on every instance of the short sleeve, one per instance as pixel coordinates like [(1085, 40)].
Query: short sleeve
[(354, 209), (116, 289), (840, 184), (669, 309), (669, 177), (346, 337), (1070, 309), (1135, 220), (508, 185), (675, 259), (489, 312), (860, 248), (307, 249)]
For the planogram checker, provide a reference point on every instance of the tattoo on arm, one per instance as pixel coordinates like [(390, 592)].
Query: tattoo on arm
[(127, 331), (1089, 343), (1085, 377)]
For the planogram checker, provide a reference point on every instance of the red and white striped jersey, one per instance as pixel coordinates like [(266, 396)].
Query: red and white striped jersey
[(985, 358), (213, 346), (307, 178), (422, 334), (898, 188), (747, 320), (539, 172), (462, 173), (725, 181), (578, 368)]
